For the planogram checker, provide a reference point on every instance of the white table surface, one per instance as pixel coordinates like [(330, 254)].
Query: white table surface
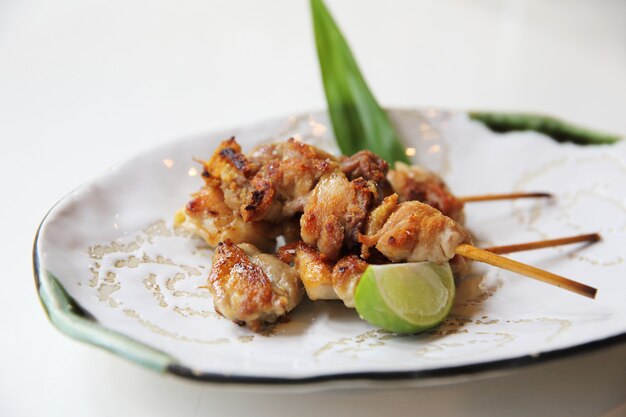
[(84, 84)]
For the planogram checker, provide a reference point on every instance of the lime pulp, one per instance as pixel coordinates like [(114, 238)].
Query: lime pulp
[(405, 298)]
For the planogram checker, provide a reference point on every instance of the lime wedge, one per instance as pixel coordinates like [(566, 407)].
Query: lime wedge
[(405, 298)]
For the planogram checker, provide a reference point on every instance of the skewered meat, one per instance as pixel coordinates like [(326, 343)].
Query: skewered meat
[(370, 167), (312, 269), (346, 275), (252, 288), (323, 279), (276, 183), (416, 232), (208, 216), (255, 289), (335, 212), (273, 183), (232, 171), (414, 183), (377, 219)]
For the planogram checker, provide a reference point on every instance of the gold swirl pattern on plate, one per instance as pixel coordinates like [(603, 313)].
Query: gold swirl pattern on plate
[(175, 287), (118, 264), (586, 203)]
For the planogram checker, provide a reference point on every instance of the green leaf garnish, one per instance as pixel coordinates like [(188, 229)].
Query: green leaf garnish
[(558, 130), (358, 121)]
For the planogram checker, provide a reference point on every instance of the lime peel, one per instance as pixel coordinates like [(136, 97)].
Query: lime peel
[(405, 298)]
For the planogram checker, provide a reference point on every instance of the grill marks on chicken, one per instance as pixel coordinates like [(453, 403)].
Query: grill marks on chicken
[(230, 169), (271, 184), (276, 183), (252, 288)]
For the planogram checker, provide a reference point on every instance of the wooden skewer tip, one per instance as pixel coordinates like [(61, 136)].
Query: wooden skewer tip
[(507, 196), (540, 244), (481, 255)]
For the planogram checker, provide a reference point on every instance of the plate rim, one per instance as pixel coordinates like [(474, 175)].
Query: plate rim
[(73, 320)]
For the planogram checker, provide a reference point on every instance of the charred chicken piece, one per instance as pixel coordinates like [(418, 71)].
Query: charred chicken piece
[(335, 213), (273, 182), (282, 186), (414, 183), (416, 232), (323, 279), (208, 216), (369, 166), (312, 268), (232, 171), (345, 277), (252, 288), (377, 218)]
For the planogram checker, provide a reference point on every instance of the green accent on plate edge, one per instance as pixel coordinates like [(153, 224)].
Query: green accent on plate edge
[(557, 129), (70, 318)]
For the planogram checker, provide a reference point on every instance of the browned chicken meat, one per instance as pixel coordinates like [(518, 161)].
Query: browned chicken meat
[(335, 213), (323, 279), (291, 182), (312, 268), (250, 287), (370, 167), (273, 182), (347, 273), (230, 169), (377, 217), (416, 232), (414, 183), (208, 216)]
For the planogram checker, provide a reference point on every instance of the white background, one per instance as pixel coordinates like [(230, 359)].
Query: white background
[(84, 84)]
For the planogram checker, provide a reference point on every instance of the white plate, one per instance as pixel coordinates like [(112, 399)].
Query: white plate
[(111, 271)]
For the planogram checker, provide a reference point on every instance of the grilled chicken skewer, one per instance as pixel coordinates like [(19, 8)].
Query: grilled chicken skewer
[(255, 197), (412, 232), (353, 206), (258, 292)]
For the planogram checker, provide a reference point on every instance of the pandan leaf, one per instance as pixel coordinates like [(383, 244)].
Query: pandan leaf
[(358, 120)]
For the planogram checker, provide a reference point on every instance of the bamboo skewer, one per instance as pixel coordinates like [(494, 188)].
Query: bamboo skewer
[(481, 255), (508, 196), (540, 244)]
